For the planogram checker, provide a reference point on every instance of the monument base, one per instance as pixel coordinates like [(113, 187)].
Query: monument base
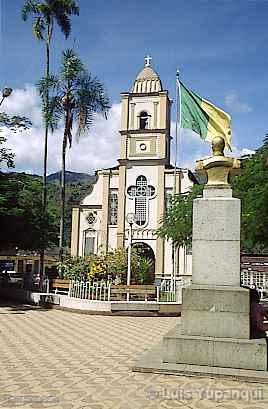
[(215, 311), (217, 352), (151, 362)]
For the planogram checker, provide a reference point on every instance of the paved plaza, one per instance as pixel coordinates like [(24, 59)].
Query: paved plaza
[(62, 360)]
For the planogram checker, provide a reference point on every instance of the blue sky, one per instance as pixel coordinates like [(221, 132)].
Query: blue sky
[(220, 48)]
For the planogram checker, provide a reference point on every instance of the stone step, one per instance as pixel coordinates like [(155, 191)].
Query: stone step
[(210, 351)]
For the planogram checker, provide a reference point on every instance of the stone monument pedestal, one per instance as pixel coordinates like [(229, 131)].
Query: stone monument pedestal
[(215, 318), (213, 337)]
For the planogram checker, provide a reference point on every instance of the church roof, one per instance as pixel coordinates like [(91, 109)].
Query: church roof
[(147, 73), (147, 80)]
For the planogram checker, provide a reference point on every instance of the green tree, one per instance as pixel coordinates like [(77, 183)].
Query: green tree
[(178, 219), (46, 14), (20, 217), (251, 186), (6, 156), (75, 96), (14, 123)]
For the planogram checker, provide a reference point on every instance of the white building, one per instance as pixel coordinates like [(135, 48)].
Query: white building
[(142, 183)]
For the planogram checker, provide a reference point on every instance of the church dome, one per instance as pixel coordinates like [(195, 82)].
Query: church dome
[(147, 80)]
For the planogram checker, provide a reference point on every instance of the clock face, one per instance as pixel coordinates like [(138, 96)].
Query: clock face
[(143, 147)]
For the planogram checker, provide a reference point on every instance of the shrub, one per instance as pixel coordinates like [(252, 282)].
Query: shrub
[(111, 265), (75, 268)]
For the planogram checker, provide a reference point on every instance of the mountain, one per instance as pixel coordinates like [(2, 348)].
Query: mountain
[(71, 177)]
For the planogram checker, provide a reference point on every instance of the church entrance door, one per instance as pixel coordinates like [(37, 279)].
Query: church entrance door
[(147, 270)]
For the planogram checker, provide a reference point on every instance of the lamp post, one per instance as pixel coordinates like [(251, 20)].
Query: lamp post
[(130, 220), (5, 93)]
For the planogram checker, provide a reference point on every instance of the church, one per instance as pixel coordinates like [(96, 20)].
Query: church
[(140, 186)]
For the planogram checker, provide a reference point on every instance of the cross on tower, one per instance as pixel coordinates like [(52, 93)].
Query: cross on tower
[(141, 192), (148, 61)]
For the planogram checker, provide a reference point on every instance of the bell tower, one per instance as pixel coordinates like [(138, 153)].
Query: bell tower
[(144, 156), (145, 125)]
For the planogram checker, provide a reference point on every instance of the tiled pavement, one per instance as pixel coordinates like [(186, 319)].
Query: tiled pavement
[(72, 361)]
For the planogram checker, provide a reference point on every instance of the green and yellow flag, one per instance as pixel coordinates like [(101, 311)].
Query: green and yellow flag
[(203, 117)]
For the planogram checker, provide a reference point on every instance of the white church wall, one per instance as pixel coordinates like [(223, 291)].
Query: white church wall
[(168, 258), (186, 183), (112, 237), (184, 266), (169, 180), (114, 181), (95, 197), (185, 262)]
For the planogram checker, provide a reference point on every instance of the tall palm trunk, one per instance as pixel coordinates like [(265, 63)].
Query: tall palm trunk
[(46, 131), (44, 201), (63, 157)]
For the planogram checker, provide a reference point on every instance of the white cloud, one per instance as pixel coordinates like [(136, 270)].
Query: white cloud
[(238, 152), (98, 149), (233, 102), (24, 102)]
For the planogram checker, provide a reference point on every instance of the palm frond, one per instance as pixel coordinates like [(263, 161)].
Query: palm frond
[(93, 92), (39, 28), (72, 66), (84, 121), (90, 98), (46, 84), (54, 112), (66, 6), (46, 10), (71, 7), (74, 94), (64, 23), (29, 7)]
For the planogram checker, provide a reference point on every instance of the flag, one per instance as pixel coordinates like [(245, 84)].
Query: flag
[(203, 117)]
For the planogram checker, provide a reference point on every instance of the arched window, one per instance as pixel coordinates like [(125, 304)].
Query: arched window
[(144, 120), (113, 207), (89, 242), (141, 192)]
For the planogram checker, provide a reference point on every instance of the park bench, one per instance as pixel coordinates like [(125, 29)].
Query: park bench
[(60, 285), (137, 290)]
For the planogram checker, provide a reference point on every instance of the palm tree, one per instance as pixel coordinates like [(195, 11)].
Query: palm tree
[(75, 95), (45, 15)]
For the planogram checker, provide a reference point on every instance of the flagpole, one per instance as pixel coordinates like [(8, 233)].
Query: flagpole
[(178, 124)]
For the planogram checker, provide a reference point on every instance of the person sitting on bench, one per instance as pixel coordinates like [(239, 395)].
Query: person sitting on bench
[(257, 316)]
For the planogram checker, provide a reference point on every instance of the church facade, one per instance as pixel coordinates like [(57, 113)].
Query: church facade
[(141, 184)]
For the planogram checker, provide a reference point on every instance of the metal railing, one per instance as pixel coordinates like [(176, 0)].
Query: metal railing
[(171, 291), (255, 278), (90, 290), (101, 291)]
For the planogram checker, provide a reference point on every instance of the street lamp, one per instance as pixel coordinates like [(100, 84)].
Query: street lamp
[(5, 93), (130, 220)]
